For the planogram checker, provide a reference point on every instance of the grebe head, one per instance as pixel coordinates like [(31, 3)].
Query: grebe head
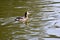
[(26, 14)]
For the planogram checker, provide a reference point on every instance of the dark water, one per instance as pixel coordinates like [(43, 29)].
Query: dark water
[(44, 20)]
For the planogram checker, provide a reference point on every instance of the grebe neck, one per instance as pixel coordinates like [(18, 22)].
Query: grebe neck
[(26, 15)]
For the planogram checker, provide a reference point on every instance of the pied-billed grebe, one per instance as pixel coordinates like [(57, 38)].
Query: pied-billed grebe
[(24, 18)]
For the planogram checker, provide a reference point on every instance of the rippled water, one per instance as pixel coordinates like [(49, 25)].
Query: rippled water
[(44, 20)]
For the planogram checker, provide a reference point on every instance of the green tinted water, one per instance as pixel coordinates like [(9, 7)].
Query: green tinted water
[(42, 21)]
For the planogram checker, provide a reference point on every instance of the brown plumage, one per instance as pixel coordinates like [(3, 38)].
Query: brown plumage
[(24, 18)]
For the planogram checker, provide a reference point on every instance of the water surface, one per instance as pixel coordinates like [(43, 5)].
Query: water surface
[(44, 20)]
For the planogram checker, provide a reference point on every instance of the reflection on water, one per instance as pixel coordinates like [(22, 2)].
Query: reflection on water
[(44, 21)]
